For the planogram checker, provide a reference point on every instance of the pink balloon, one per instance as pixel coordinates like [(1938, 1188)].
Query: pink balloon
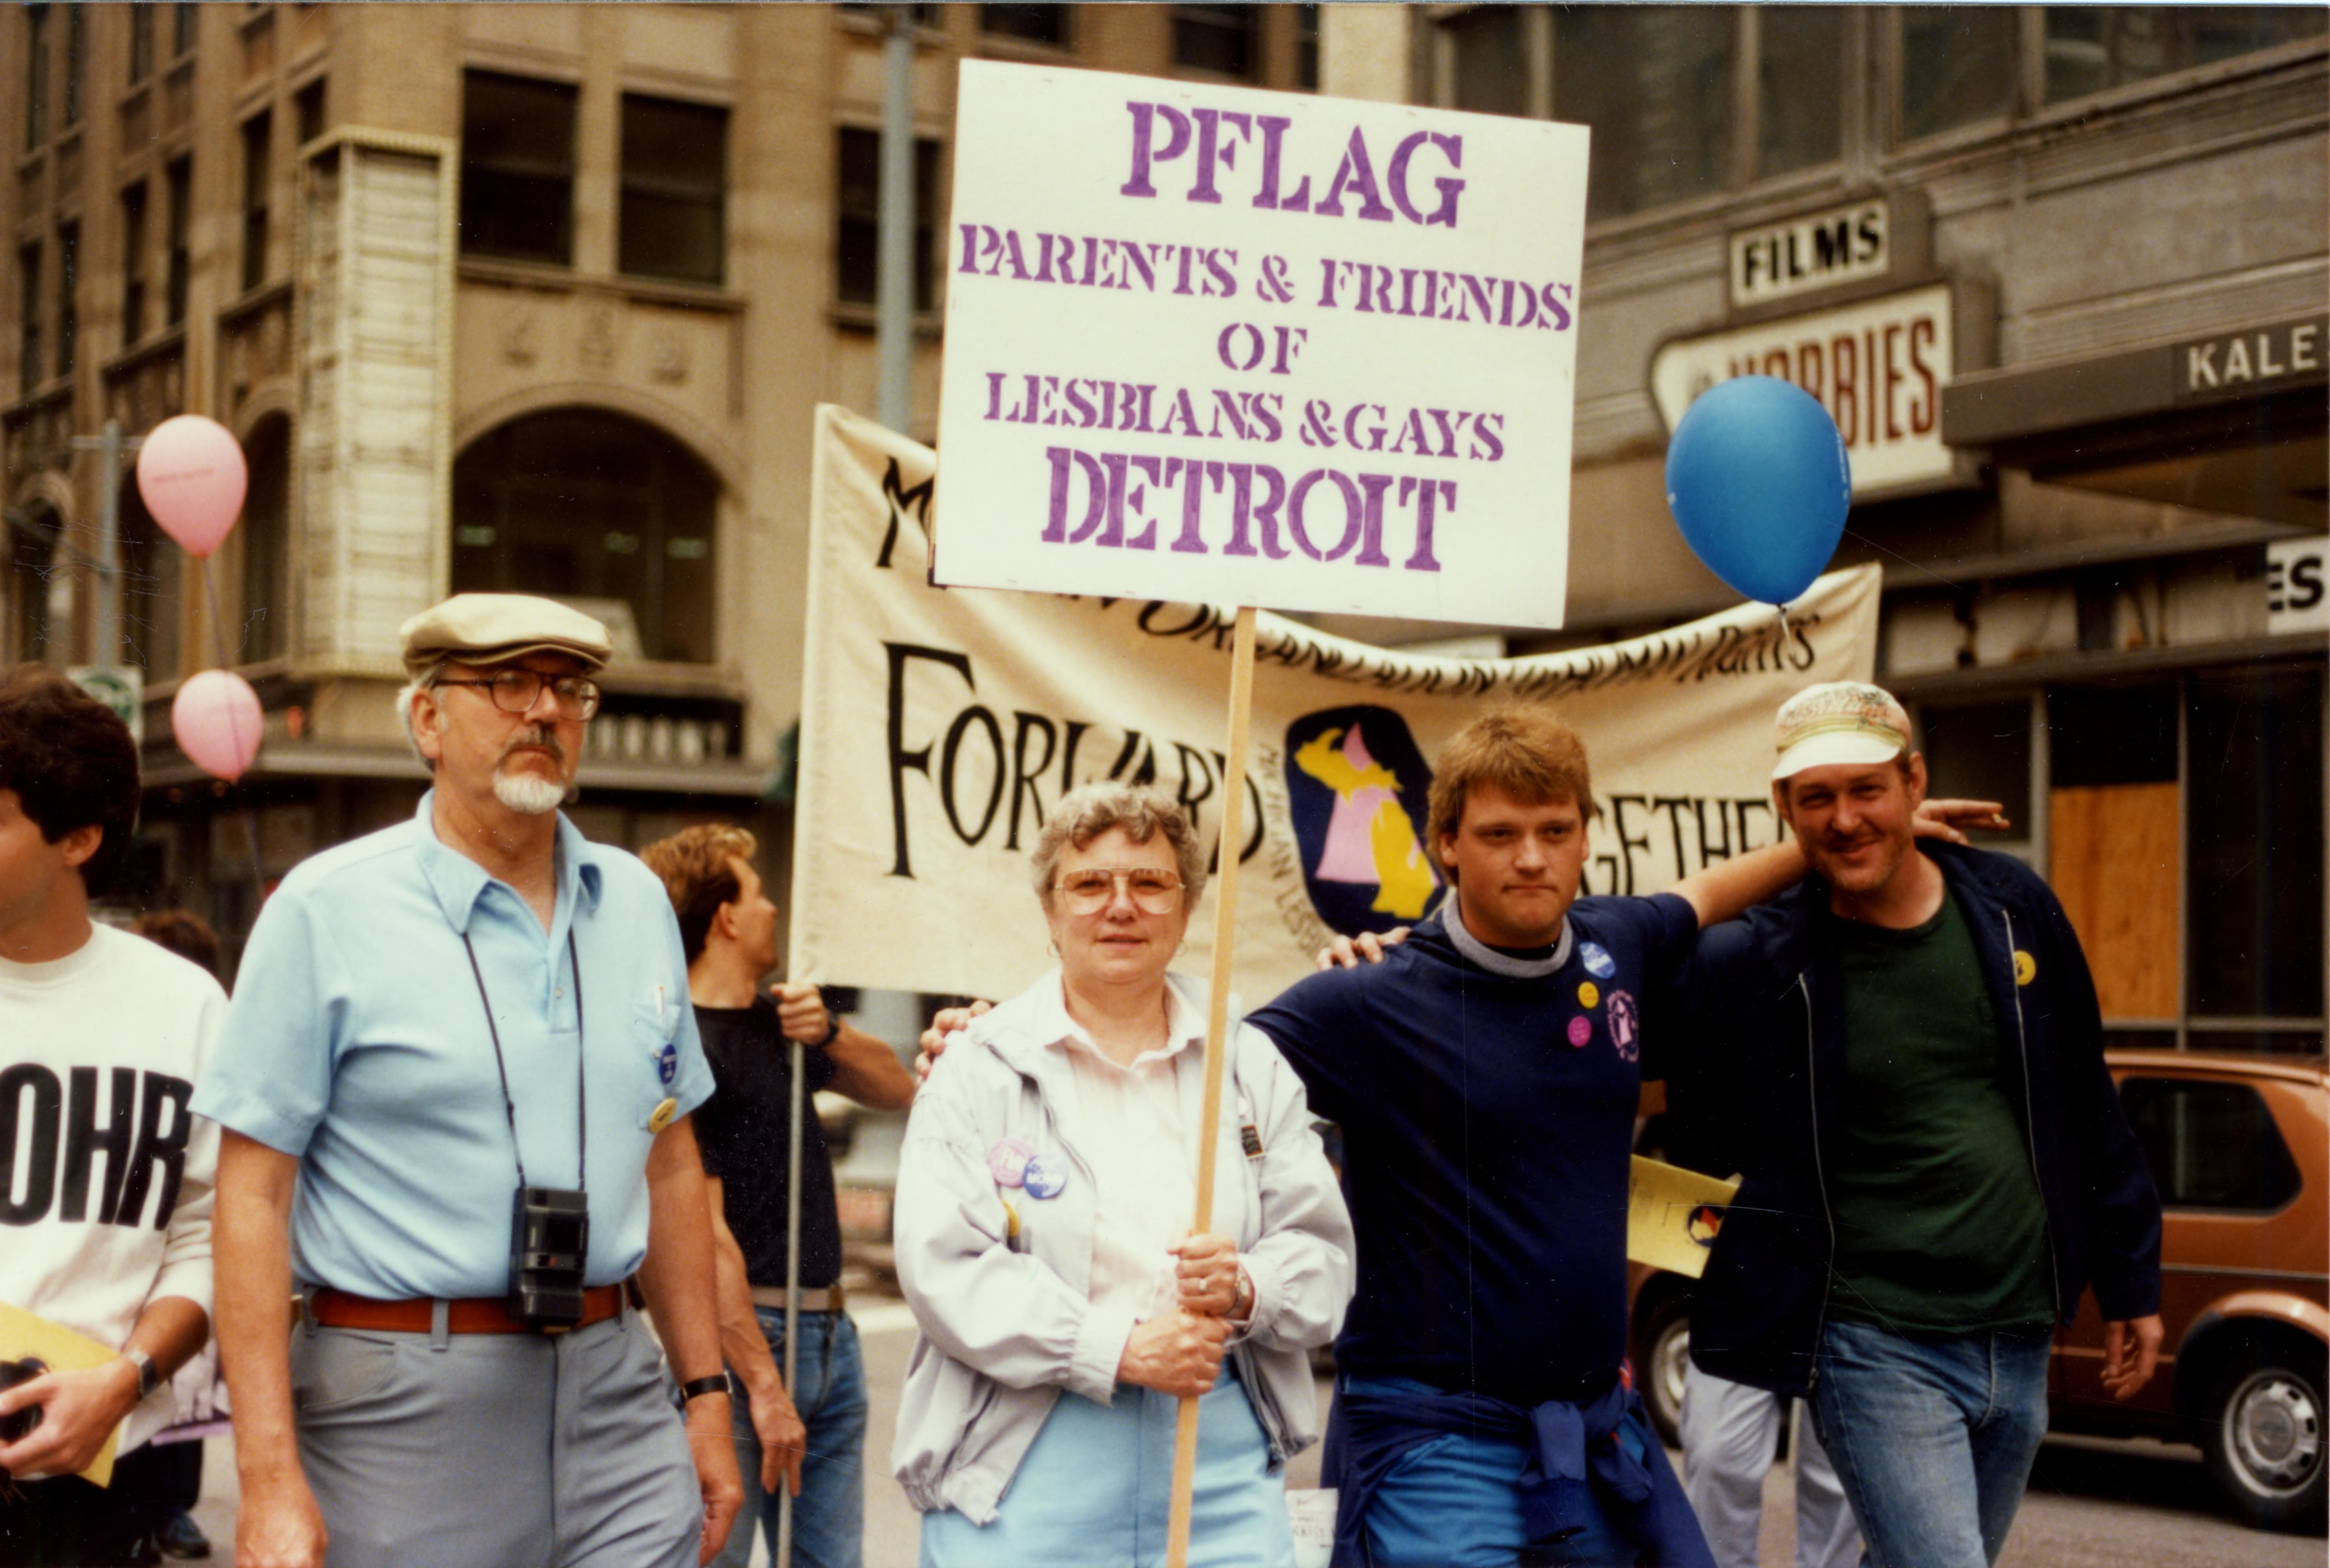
[(216, 719), (193, 475)]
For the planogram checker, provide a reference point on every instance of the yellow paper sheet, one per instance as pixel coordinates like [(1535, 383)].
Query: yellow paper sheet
[(22, 1335), (1672, 1215)]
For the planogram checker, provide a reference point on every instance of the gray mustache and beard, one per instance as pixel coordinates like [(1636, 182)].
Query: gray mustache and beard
[(525, 793)]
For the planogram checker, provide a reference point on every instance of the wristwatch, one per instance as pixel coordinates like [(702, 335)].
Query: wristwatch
[(697, 1388), (149, 1377), (1243, 1301), (832, 1030)]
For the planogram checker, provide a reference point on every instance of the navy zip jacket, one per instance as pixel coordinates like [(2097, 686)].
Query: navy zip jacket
[(1755, 1038)]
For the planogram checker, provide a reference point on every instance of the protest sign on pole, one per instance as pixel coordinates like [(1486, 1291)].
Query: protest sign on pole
[(941, 726), (1221, 347), (1224, 346)]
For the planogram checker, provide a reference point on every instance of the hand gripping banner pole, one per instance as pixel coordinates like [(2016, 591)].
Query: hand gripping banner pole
[(784, 1554), (1217, 1009)]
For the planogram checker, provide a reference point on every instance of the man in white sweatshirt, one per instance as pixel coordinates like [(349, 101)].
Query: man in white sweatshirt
[(105, 1173)]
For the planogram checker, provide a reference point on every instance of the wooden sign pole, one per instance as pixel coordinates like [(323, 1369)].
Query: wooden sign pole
[(1218, 1045)]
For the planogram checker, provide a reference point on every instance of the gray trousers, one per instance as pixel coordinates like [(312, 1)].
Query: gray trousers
[(495, 1451), (1730, 1433)]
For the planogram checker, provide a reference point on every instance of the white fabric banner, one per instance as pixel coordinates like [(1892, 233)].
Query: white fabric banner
[(940, 725)]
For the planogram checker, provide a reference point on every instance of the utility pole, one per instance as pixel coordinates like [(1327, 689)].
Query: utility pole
[(111, 446), (894, 275)]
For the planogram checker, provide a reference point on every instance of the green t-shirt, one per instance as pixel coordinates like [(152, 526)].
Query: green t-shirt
[(1939, 1226)]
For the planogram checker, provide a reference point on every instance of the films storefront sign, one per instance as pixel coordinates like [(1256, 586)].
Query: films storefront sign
[(1878, 366)]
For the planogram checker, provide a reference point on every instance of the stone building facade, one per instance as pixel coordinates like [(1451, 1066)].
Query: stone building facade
[(536, 298)]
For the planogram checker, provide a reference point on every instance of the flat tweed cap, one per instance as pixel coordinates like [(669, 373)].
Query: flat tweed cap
[(489, 627)]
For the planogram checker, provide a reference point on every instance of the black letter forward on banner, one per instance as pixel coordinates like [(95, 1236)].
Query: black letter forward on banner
[(900, 758)]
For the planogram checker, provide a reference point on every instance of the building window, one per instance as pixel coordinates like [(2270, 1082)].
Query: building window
[(28, 314), (1306, 47), (310, 106), (1487, 59), (258, 133), (2253, 837), (181, 178), (265, 535), (133, 264), (1799, 86), (1223, 39), (76, 61), (36, 76), (2183, 831), (68, 296), (1029, 23), (1957, 66), (141, 44), (517, 168), (857, 235), (597, 509), (674, 220), (40, 602), (2093, 49), (181, 28), (1655, 83)]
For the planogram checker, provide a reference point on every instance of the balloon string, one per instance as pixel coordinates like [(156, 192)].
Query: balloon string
[(234, 727)]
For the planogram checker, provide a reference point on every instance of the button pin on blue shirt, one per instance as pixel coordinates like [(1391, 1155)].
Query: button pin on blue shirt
[(1597, 961), (668, 1063)]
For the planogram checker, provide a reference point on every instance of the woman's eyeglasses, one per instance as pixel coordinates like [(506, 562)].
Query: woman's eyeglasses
[(1091, 890)]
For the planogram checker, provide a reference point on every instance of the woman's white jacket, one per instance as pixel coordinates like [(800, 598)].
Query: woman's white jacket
[(998, 1280)]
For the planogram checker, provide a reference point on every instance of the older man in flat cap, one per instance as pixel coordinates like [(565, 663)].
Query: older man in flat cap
[(455, 1090)]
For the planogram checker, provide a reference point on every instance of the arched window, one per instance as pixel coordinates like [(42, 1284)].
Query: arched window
[(266, 531), (41, 597), (598, 510)]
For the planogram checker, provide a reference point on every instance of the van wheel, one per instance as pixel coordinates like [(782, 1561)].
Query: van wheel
[(1666, 1358), (2263, 1432)]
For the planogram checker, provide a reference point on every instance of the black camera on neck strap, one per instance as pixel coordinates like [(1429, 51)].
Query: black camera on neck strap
[(550, 1227)]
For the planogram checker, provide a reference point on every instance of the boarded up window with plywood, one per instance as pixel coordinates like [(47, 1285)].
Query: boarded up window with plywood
[(2113, 845)]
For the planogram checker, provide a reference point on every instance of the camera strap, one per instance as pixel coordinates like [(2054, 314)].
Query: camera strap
[(582, 1092)]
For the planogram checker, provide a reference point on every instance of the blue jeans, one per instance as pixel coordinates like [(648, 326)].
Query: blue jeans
[(1933, 1437), (1094, 1490), (1454, 1502), (829, 1392)]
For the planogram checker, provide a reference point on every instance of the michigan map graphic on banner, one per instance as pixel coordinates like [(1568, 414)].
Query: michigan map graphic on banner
[(940, 726)]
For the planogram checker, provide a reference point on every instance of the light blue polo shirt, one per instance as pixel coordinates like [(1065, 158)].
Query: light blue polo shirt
[(357, 1042)]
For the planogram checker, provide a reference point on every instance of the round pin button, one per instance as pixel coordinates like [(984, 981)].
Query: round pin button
[(661, 1117), (1007, 1160), (1044, 1175), (1581, 1030), (1597, 961), (1588, 994)]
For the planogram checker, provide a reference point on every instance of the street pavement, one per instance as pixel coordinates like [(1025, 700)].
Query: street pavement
[(2092, 1504)]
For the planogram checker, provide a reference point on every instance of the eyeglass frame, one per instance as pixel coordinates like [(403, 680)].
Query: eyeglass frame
[(585, 690), (1121, 876)]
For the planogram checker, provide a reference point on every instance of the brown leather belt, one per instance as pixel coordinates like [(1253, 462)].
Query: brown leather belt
[(828, 1298), (469, 1315)]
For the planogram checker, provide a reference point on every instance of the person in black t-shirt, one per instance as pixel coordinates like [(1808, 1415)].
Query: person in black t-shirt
[(814, 1434)]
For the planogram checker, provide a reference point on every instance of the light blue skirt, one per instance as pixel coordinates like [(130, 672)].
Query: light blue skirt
[(1094, 1491)]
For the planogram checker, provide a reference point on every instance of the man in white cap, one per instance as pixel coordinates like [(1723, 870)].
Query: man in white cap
[(455, 1089), (1908, 1052)]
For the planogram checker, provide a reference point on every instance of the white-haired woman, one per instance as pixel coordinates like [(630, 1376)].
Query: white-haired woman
[(1043, 1223)]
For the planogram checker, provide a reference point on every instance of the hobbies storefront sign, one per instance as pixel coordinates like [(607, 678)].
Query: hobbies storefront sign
[(1212, 344), (940, 726)]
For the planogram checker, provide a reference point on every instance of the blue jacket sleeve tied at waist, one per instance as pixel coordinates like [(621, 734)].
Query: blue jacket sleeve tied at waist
[(1578, 1469)]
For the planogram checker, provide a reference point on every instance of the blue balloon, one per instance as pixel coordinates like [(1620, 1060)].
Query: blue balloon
[(1758, 482)]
